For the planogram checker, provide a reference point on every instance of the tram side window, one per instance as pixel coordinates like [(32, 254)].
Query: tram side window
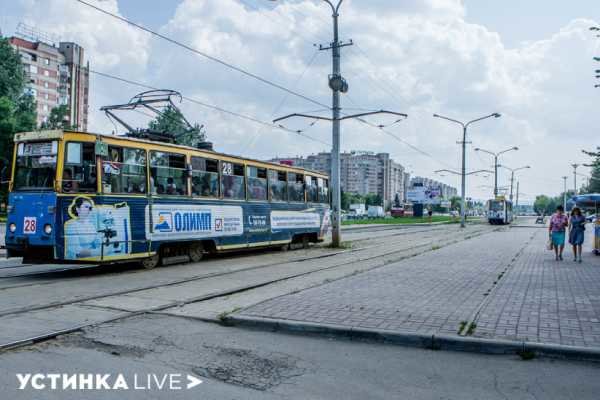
[(312, 194), (168, 174), (232, 181), (257, 183), (323, 190), (79, 173), (296, 187), (205, 177), (277, 185), (124, 171)]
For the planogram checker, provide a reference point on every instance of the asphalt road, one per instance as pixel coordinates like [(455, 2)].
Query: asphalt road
[(243, 364)]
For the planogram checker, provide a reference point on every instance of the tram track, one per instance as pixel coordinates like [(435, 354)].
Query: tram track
[(407, 252), (66, 268), (195, 277)]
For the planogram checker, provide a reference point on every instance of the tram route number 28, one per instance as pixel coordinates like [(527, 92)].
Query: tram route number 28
[(29, 225)]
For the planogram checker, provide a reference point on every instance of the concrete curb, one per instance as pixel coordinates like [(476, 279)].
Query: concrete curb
[(426, 341)]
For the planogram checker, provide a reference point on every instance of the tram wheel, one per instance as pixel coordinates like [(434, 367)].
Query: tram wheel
[(305, 242), (196, 252), (150, 262)]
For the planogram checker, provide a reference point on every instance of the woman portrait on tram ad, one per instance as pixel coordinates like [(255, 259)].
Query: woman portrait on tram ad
[(81, 234)]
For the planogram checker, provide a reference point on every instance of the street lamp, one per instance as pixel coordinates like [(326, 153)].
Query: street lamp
[(512, 176), (337, 85), (464, 149), (468, 173), (496, 155), (565, 192)]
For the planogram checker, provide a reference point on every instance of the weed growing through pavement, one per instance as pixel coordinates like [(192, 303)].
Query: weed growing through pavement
[(526, 355), (343, 245), (472, 328), (223, 316), (462, 326)]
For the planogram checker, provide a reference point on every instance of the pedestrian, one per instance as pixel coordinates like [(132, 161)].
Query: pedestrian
[(558, 224), (430, 213), (576, 232)]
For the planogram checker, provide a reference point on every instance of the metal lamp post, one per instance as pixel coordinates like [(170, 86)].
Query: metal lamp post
[(512, 177), (338, 85), (464, 161), (565, 192), (496, 155)]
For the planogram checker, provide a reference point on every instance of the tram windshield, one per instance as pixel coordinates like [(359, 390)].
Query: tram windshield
[(496, 205), (35, 166)]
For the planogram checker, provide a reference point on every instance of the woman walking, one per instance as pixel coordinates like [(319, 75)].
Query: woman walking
[(576, 233), (558, 224)]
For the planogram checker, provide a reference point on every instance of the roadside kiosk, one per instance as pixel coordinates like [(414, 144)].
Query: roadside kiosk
[(589, 202)]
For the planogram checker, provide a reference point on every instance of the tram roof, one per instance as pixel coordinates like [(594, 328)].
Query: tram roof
[(59, 134)]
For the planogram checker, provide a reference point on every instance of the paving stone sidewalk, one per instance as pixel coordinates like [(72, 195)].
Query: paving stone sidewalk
[(503, 281), (542, 300)]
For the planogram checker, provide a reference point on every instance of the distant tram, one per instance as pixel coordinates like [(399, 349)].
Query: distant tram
[(499, 211), (90, 198)]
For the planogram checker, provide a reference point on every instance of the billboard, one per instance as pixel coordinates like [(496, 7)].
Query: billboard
[(425, 195)]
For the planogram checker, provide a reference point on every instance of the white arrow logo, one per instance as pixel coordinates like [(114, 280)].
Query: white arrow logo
[(193, 381)]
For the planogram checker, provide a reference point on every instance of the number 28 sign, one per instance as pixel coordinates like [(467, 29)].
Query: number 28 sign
[(29, 225)]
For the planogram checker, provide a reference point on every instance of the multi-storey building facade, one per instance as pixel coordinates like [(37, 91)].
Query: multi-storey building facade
[(56, 76), (361, 173)]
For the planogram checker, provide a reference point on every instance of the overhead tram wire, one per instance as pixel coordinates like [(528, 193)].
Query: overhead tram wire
[(285, 96), (244, 72), (210, 106), (203, 54)]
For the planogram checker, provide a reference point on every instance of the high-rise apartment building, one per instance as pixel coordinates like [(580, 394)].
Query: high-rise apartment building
[(56, 76), (360, 172)]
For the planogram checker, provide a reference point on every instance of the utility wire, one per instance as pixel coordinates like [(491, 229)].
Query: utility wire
[(203, 54), (285, 97), (210, 106), (249, 74)]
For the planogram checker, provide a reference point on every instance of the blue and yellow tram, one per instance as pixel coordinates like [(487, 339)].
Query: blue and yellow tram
[(499, 211), (82, 197)]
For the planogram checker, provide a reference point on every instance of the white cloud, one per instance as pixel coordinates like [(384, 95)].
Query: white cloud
[(422, 52)]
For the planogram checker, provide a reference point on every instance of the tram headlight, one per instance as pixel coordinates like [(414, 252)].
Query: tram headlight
[(12, 227), (47, 229)]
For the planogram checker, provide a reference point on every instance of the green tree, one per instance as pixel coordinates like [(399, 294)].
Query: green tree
[(12, 77), (373, 199), (56, 119), (455, 202), (546, 205), (17, 109), (172, 121), (594, 183)]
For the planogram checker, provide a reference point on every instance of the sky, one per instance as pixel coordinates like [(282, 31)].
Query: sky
[(530, 61)]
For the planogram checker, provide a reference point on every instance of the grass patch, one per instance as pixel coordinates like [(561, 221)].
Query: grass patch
[(526, 355), (472, 328), (462, 326), (343, 245), (401, 221)]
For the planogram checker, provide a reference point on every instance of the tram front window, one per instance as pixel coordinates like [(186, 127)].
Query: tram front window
[(496, 206), (35, 166)]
